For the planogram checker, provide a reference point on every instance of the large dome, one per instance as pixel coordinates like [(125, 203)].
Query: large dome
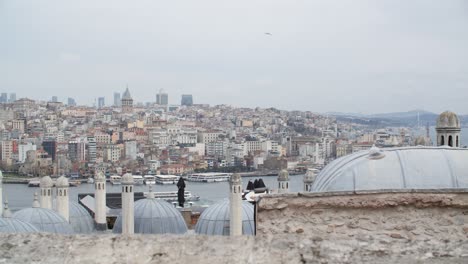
[(155, 216), (448, 120), (215, 219), (11, 225), (46, 220), (396, 168)]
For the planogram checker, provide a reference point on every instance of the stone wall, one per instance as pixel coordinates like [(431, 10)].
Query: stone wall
[(384, 217)]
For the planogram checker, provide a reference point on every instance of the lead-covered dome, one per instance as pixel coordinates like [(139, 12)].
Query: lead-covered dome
[(12, 225), (399, 168), (80, 220), (155, 216), (448, 120), (215, 219), (45, 220)]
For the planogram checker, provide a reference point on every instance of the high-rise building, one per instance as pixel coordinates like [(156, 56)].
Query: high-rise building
[(76, 150), (187, 100), (101, 102), (71, 102), (4, 98), (12, 97), (23, 149), (50, 146), (162, 99), (127, 102), (116, 99), (54, 99), (91, 149)]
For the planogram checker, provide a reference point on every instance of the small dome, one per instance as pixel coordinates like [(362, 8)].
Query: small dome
[(62, 182), (46, 220), (310, 175), (11, 225), (155, 216), (215, 219), (127, 178), (80, 220), (236, 179), (448, 120), (46, 182), (283, 175), (100, 177)]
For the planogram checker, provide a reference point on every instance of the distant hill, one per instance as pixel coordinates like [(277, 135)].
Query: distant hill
[(409, 118)]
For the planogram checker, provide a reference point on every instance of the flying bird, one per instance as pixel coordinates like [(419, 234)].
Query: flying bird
[(268, 33)]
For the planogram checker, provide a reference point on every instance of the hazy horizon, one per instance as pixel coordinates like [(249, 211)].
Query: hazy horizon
[(358, 56)]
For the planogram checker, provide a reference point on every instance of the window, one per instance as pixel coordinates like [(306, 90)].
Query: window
[(458, 144), (450, 142), (442, 141)]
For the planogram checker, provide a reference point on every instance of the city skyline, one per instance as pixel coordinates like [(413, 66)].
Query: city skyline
[(352, 56)]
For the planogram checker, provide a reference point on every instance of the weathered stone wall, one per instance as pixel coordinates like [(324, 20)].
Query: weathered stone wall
[(284, 248), (384, 217)]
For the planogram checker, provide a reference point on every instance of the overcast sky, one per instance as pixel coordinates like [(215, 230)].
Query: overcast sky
[(349, 56)]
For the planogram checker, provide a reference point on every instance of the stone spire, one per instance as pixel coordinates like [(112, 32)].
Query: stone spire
[(62, 197), (283, 181), (46, 185), (309, 179), (100, 202), (127, 204), (35, 203), (6, 211), (235, 203)]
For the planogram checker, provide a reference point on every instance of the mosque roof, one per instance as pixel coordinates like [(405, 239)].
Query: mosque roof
[(80, 220), (12, 225), (46, 220), (155, 216), (396, 168), (215, 219)]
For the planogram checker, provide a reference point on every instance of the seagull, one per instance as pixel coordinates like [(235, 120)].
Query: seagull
[(268, 33)]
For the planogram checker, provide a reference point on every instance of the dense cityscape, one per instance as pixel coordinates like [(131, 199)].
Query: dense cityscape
[(54, 138)]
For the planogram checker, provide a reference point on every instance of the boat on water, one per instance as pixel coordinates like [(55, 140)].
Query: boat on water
[(149, 180), (138, 180), (74, 183), (34, 183), (90, 180), (172, 196), (209, 177), (166, 179), (116, 179)]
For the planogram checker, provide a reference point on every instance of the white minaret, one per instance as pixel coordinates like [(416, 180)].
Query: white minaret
[(1, 192), (283, 181), (62, 197), (309, 179), (46, 185), (127, 204), (100, 202), (235, 203)]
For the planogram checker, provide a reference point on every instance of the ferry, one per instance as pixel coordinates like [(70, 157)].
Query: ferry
[(149, 180), (115, 179), (172, 196), (166, 179), (209, 177), (34, 183), (138, 179)]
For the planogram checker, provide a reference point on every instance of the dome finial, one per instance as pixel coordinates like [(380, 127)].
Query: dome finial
[(150, 193), (375, 153), (36, 201), (6, 210)]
